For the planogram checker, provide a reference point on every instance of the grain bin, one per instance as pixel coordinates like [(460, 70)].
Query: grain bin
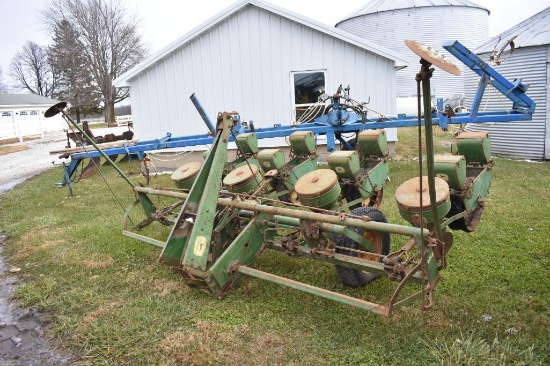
[(390, 22)]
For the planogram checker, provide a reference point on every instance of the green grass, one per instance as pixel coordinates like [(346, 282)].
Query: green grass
[(112, 302)]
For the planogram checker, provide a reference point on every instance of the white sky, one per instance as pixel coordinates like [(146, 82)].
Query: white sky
[(163, 21)]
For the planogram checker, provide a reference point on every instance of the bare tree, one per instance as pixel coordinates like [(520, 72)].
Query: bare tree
[(3, 86), (108, 40), (30, 70)]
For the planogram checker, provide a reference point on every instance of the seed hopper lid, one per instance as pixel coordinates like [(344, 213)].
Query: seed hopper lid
[(316, 183), (433, 56), (186, 171), (241, 175), (408, 193)]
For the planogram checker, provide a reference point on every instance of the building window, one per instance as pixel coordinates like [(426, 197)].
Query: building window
[(308, 86), (6, 114), (23, 113)]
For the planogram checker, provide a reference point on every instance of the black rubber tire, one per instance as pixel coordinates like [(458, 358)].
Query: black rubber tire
[(355, 277), (351, 193), (457, 206), (280, 187)]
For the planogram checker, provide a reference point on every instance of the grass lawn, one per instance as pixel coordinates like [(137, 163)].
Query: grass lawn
[(112, 302)]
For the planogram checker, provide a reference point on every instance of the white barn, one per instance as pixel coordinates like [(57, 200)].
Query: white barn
[(23, 115), (529, 62), (255, 58)]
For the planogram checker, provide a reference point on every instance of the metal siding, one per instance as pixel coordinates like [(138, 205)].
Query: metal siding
[(429, 25), (245, 64), (521, 139)]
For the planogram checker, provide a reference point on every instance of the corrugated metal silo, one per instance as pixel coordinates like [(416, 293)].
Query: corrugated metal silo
[(432, 22)]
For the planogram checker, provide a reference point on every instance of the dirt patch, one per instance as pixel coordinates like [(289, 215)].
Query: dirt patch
[(5, 150), (15, 140), (22, 339)]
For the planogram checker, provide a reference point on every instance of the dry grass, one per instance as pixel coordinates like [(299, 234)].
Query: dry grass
[(213, 343), (5, 150)]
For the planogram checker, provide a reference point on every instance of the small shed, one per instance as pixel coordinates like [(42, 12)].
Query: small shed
[(23, 115), (261, 60), (530, 63)]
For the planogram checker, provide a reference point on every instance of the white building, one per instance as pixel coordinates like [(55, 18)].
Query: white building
[(391, 22), (530, 63), (260, 60), (23, 115)]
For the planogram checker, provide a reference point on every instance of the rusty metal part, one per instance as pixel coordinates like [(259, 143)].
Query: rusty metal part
[(433, 56), (375, 200), (473, 218), (375, 238), (414, 199), (442, 247), (408, 193), (495, 58), (90, 169)]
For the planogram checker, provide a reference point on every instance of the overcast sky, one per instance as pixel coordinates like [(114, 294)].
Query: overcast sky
[(163, 21)]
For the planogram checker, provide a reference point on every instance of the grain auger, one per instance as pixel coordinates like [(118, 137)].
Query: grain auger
[(227, 213)]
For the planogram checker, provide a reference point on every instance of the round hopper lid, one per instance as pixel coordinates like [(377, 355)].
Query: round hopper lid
[(240, 175), (408, 193), (431, 55), (186, 171), (316, 183)]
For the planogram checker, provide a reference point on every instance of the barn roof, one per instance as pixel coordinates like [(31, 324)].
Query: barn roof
[(25, 100), (534, 31), (344, 36), (378, 6)]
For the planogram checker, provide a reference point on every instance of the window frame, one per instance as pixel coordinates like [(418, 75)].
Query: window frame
[(293, 87)]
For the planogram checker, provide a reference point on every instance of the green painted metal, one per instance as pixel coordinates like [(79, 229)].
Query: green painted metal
[(244, 179), (143, 238), (248, 143), (345, 164), (302, 142), (244, 249), (373, 179), (189, 240), (475, 147), (344, 299), (271, 159), (425, 75), (479, 189), (372, 143), (451, 168), (295, 169), (341, 220), (318, 188), (185, 175)]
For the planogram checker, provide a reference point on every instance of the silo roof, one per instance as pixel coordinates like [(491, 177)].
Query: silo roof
[(534, 31), (378, 6)]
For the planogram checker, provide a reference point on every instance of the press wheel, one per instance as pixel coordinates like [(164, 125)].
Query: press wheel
[(380, 241), (351, 193)]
